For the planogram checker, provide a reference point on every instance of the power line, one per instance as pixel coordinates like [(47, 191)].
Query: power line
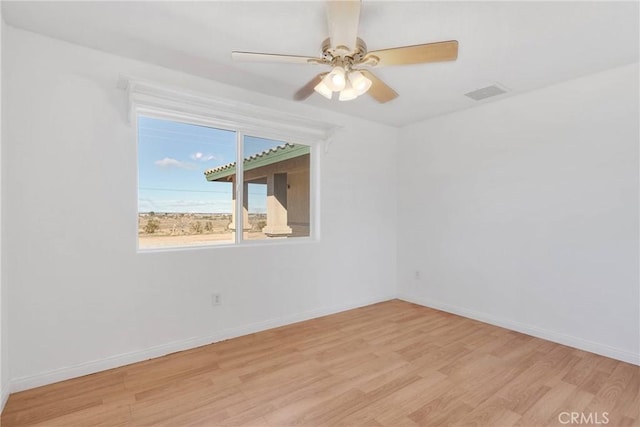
[(173, 140), (180, 190), (216, 132)]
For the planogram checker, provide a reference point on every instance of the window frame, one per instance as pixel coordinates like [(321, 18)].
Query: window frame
[(240, 131)]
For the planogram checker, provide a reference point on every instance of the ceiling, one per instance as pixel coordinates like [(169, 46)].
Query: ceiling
[(520, 45)]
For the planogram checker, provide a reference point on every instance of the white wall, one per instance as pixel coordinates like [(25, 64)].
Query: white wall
[(4, 360), (82, 299), (524, 213)]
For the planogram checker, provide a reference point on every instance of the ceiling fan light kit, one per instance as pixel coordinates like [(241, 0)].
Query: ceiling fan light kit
[(349, 85), (336, 79), (323, 89), (360, 83), (348, 93), (343, 51)]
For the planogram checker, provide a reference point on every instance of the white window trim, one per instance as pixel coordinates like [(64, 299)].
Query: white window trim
[(223, 113), (154, 100)]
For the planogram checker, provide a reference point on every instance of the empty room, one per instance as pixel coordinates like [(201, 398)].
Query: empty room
[(319, 213)]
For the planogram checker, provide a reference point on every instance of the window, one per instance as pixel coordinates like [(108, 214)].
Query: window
[(191, 191)]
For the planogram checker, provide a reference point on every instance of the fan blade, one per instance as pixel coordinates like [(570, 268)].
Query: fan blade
[(306, 90), (379, 89), (273, 57), (343, 17), (418, 54)]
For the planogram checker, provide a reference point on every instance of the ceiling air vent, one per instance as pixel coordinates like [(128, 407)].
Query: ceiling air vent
[(486, 92)]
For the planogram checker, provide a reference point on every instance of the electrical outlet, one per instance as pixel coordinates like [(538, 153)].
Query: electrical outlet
[(416, 275), (216, 299)]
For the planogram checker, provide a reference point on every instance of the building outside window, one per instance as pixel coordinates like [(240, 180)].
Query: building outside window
[(189, 186)]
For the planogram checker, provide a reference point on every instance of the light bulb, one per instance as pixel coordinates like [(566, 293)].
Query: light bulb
[(348, 93), (323, 90), (360, 83), (336, 79)]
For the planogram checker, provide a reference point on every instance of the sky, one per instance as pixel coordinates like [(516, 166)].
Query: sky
[(172, 158)]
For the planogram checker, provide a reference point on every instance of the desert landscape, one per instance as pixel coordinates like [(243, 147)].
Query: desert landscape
[(170, 229)]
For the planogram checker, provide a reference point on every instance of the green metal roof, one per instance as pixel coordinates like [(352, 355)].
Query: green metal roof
[(273, 155)]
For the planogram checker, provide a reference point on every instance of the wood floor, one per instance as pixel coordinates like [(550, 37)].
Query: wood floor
[(390, 364)]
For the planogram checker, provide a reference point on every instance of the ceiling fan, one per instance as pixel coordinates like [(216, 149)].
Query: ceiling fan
[(350, 61)]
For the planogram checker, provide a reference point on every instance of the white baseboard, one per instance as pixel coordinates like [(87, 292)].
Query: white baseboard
[(50, 377), (557, 337)]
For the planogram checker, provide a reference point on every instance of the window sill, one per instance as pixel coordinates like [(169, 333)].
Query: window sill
[(244, 244)]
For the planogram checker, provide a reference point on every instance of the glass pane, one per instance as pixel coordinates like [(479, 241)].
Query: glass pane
[(277, 187), (178, 203)]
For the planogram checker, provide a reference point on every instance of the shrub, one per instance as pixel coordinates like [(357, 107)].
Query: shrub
[(196, 227), (152, 226)]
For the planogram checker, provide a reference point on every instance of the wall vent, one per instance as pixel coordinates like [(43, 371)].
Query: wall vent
[(486, 92)]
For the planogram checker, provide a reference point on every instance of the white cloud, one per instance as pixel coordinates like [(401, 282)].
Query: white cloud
[(168, 162), (202, 157)]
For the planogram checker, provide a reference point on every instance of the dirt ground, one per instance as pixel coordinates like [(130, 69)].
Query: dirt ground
[(159, 230)]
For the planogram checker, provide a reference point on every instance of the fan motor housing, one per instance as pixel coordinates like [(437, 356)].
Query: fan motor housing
[(342, 53)]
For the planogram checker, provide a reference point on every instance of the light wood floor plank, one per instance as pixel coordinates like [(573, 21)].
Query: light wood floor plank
[(388, 364)]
